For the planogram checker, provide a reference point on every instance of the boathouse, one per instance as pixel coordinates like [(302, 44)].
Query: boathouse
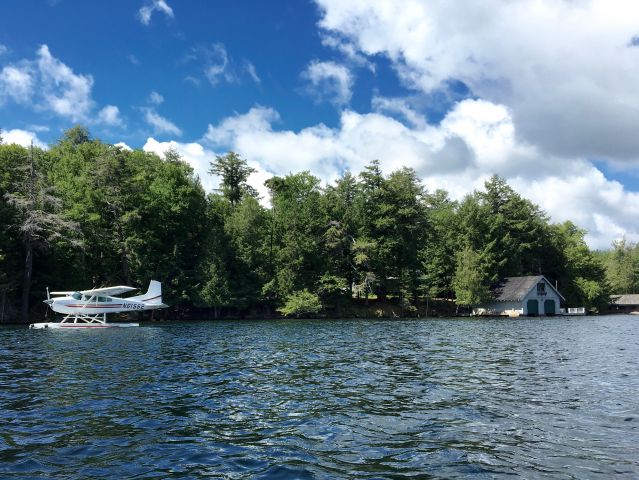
[(515, 296), (628, 303)]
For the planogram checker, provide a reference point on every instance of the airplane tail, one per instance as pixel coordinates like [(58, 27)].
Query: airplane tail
[(153, 295)]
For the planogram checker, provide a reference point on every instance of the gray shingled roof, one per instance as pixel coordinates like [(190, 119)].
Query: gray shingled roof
[(628, 299), (514, 289)]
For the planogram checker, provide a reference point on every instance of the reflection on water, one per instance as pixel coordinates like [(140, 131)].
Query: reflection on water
[(318, 399)]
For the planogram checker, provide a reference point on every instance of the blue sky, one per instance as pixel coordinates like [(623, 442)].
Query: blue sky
[(541, 92), (266, 47)]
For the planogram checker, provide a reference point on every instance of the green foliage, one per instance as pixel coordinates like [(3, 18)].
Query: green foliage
[(76, 136), (516, 225), (297, 223), (505, 228), (333, 290), (469, 282), (38, 218), (215, 292), (437, 252), (591, 292), (331, 286), (582, 276), (301, 303), (622, 267), (393, 228), (343, 205), (246, 229), (373, 235), (234, 171)]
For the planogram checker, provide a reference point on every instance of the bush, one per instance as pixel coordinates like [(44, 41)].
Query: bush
[(301, 303)]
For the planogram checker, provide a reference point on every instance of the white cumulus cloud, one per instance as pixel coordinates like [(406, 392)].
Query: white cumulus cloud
[(48, 84), (21, 137), (110, 115), (160, 124), (155, 98), (146, 11), (123, 146), (200, 158), (476, 139), (567, 70), (65, 93), (16, 83), (329, 81), (194, 154)]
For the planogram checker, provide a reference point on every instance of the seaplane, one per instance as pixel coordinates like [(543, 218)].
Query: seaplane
[(89, 308)]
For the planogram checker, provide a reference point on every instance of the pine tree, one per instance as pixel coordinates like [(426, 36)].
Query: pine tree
[(469, 282), (39, 223)]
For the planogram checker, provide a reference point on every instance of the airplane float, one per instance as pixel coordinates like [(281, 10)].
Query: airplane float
[(89, 308)]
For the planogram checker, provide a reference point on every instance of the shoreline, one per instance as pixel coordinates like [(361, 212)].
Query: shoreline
[(200, 319)]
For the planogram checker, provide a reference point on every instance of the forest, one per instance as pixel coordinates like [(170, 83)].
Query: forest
[(84, 213)]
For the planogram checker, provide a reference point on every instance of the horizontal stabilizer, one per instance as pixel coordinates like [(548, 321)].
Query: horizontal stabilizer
[(155, 306)]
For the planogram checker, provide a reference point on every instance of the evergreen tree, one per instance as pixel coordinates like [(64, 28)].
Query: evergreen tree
[(469, 282), (234, 172), (374, 233), (298, 222), (11, 157), (141, 217), (581, 276), (476, 230), (406, 227), (247, 230), (516, 227), (342, 203), (437, 252), (38, 221), (622, 267)]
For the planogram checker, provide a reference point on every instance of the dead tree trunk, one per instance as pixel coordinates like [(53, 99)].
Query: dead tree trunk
[(26, 282)]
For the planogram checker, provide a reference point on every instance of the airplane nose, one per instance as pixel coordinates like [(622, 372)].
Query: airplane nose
[(48, 302)]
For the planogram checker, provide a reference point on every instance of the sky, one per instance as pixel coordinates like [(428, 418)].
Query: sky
[(541, 92)]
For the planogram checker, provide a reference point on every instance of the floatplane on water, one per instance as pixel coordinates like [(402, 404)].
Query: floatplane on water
[(89, 308)]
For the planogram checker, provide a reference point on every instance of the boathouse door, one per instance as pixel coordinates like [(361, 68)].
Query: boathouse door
[(549, 307), (533, 307)]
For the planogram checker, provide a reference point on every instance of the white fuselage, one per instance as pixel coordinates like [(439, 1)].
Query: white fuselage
[(84, 305), (89, 308)]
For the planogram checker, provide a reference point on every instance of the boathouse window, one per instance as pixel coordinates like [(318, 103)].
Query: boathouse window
[(541, 288)]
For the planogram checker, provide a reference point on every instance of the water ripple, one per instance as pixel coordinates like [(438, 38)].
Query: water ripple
[(323, 399)]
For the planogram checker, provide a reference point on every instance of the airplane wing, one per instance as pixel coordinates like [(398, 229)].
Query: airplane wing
[(61, 293), (110, 291)]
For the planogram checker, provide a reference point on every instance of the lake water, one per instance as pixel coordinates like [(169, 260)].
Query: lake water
[(323, 399)]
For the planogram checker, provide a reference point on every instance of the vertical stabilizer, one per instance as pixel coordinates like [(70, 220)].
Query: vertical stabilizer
[(154, 293), (152, 298)]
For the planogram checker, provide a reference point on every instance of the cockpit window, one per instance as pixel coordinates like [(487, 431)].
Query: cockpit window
[(77, 296)]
